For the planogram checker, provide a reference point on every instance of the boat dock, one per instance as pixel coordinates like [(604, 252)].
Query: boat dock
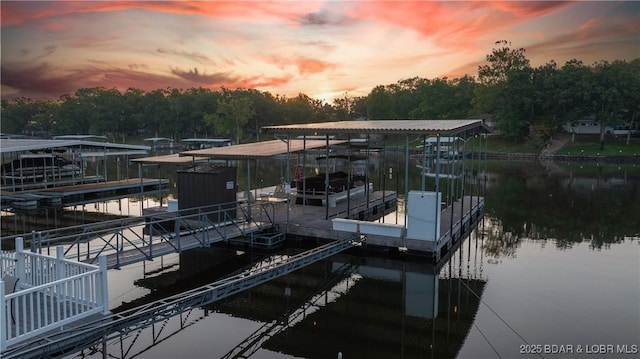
[(79, 194), (435, 220)]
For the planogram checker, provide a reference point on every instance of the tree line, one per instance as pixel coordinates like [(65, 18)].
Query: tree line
[(522, 100)]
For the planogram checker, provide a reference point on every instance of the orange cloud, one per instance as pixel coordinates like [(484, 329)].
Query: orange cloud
[(266, 82), (307, 66), (304, 65), (16, 12)]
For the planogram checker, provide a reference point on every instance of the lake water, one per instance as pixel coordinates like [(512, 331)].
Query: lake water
[(552, 271)]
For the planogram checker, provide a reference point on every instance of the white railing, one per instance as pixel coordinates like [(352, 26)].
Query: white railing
[(50, 292)]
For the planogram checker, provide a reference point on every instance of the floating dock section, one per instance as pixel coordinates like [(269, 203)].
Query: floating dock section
[(430, 231), (80, 194)]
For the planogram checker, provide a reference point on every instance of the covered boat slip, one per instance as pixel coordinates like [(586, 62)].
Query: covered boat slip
[(37, 163), (458, 209), (458, 205), (40, 173)]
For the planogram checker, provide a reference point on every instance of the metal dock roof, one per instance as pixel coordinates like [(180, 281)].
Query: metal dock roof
[(432, 127), (174, 158), (263, 149), (18, 145)]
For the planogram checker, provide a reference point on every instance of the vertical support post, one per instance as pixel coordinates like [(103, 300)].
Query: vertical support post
[(176, 230), (141, 187), (438, 163), (60, 262), (103, 286), (151, 235), (104, 163), (366, 173), (33, 241), (255, 183), (383, 174), (406, 183), (287, 186), (304, 172), (474, 184), (424, 161), (438, 205), (20, 273), (248, 191), (350, 176), (463, 179), (40, 240), (3, 319), (326, 177)]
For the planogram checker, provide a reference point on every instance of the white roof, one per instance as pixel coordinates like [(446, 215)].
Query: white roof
[(156, 139), (21, 145), (215, 140), (76, 137)]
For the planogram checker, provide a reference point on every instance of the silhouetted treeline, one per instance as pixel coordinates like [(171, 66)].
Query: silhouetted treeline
[(517, 96)]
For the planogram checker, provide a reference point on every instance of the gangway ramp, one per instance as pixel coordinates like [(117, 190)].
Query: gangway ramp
[(131, 240), (113, 326)]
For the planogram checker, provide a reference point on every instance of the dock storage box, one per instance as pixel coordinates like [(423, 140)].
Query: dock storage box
[(209, 186)]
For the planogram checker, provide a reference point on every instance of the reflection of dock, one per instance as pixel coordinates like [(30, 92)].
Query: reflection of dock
[(80, 193)]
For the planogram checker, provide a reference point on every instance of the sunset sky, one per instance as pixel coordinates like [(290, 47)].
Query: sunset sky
[(320, 48)]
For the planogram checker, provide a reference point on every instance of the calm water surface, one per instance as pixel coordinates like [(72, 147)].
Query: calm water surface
[(552, 271)]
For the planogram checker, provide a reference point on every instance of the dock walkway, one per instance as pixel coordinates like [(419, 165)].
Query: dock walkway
[(79, 194), (157, 246)]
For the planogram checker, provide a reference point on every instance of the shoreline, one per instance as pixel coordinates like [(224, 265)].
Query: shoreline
[(556, 157)]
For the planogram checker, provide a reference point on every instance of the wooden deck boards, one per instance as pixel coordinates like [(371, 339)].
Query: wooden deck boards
[(310, 221)]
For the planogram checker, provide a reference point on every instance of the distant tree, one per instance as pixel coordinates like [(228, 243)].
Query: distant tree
[(615, 90), (156, 115), (405, 96), (380, 104), (299, 109), (233, 112), (267, 111), (28, 116), (631, 93), (503, 79), (343, 107)]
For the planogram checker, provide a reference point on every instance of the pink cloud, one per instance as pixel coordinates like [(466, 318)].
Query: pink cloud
[(453, 24)]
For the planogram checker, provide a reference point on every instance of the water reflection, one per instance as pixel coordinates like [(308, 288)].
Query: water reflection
[(596, 205), (357, 304), (393, 309), (556, 258)]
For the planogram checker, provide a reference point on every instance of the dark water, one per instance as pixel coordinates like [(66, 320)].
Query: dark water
[(552, 271)]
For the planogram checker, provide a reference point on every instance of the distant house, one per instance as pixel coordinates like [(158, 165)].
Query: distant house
[(588, 125), (488, 120)]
